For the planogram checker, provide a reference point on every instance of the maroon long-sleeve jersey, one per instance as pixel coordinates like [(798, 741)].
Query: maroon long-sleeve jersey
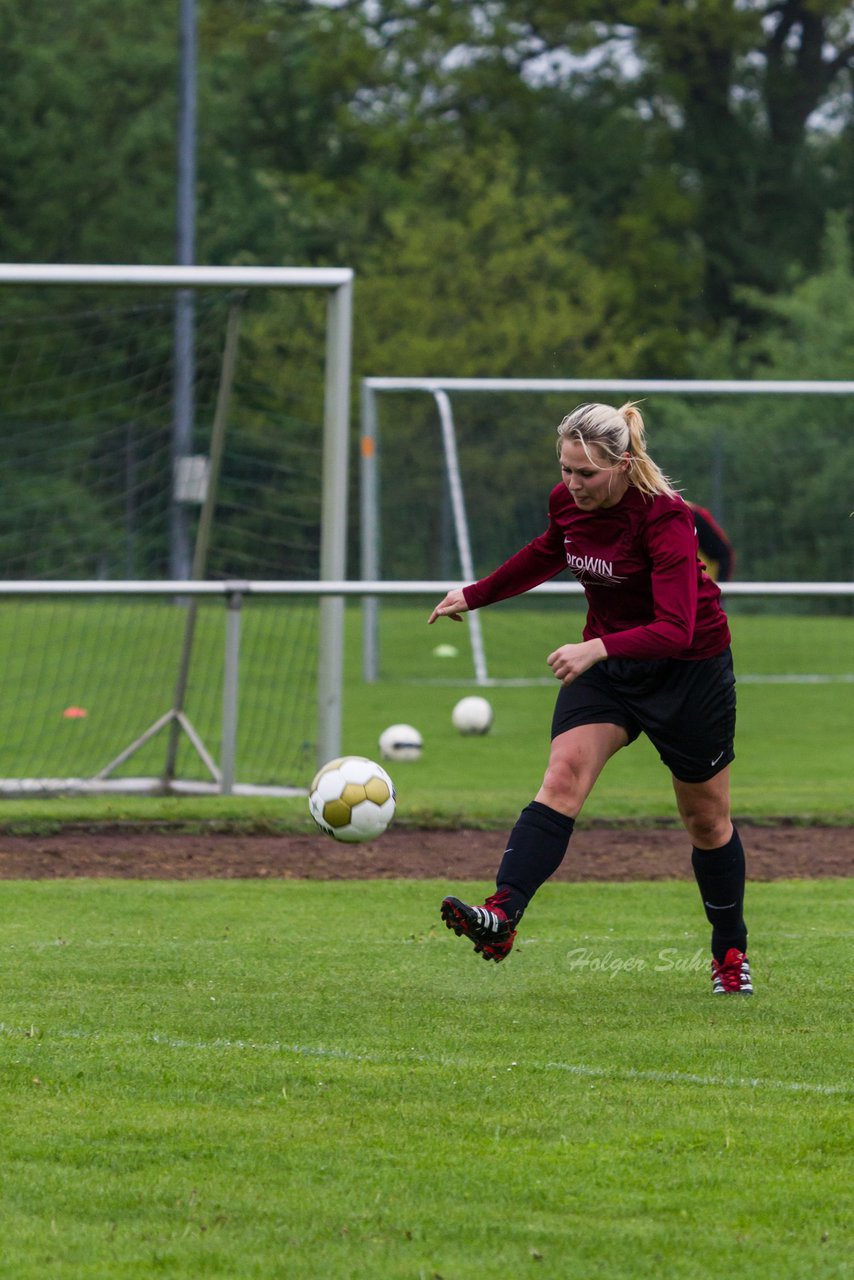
[(648, 594)]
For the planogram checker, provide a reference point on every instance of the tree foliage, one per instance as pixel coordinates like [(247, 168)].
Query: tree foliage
[(524, 187)]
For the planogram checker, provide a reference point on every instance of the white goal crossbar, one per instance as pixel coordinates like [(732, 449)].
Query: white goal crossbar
[(338, 282), (675, 386)]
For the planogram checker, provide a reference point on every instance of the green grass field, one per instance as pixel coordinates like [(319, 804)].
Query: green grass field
[(795, 749), (258, 1079), (317, 1080)]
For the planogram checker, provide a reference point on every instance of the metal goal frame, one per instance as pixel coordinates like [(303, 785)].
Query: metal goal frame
[(337, 282), (441, 389)]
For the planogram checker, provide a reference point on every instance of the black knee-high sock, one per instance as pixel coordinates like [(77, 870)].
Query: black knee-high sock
[(534, 851), (720, 878)]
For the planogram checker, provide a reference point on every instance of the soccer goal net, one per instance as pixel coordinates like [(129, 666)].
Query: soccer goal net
[(475, 459), (169, 424)]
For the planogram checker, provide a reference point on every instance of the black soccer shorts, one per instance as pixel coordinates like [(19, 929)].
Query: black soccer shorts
[(686, 709)]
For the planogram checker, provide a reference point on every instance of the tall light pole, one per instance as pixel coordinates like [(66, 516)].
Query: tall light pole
[(183, 399)]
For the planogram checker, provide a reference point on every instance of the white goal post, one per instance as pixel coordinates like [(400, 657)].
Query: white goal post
[(442, 389), (337, 283)]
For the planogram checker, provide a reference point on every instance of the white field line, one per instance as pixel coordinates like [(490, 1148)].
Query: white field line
[(584, 1070), (803, 678), (172, 944)]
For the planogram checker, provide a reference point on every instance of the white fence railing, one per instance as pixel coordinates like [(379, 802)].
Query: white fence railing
[(328, 696)]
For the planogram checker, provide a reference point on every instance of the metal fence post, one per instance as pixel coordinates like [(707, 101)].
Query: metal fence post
[(230, 684)]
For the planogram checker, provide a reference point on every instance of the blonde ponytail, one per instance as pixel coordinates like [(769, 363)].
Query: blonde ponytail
[(615, 433)]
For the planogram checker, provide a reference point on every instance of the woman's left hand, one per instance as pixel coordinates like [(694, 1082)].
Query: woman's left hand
[(570, 660)]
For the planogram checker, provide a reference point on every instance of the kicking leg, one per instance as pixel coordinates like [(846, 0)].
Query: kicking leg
[(539, 840)]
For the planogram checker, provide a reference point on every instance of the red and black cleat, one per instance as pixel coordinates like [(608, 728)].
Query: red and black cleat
[(731, 976), (487, 927)]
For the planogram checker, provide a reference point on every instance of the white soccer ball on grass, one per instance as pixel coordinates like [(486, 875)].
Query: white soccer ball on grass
[(472, 715), (352, 799), (401, 742)]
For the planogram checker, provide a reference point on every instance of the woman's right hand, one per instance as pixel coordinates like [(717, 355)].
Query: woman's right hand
[(451, 607)]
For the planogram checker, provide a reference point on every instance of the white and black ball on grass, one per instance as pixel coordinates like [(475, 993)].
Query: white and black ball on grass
[(472, 715), (401, 742), (352, 799)]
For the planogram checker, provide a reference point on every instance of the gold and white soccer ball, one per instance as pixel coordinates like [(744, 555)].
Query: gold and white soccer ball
[(352, 799)]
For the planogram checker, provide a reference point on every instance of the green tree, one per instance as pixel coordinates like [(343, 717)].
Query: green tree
[(740, 107), (477, 272), (87, 153), (477, 275), (811, 324), (790, 458)]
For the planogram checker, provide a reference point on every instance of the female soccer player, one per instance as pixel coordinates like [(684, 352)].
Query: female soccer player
[(655, 657)]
